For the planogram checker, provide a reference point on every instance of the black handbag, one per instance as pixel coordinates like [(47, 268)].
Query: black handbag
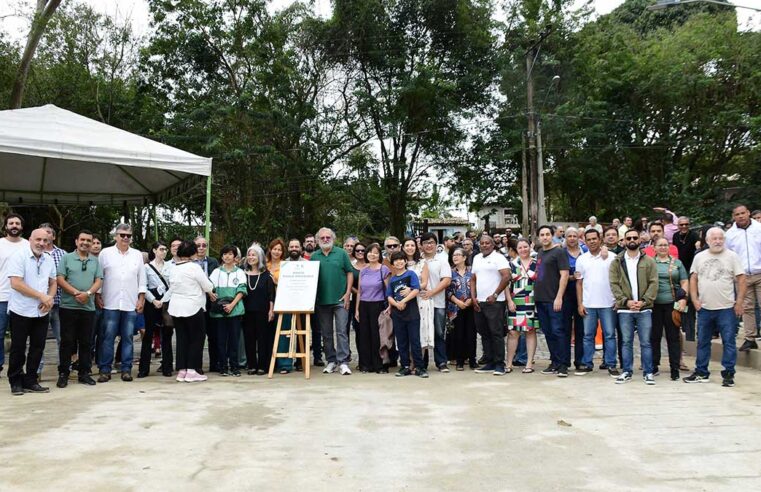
[(218, 306)]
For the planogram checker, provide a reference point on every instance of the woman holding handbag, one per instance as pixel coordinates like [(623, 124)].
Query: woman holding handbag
[(371, 294), (157, 285), (672, 296)]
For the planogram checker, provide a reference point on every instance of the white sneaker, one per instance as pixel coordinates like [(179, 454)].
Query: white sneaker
[(345, 371), (649, 379), (331, 367)]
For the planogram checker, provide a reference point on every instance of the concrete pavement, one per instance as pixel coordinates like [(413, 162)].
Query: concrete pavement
[(457, 431)]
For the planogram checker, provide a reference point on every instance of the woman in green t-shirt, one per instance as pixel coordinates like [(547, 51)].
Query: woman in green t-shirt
[(230, 286), (672, 294)]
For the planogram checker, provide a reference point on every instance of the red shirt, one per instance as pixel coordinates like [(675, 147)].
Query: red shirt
[(650, 251)]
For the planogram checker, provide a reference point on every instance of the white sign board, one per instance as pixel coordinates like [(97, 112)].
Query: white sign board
[(297, 286)]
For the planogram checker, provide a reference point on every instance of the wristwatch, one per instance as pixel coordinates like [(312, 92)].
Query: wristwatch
[(88, 293)]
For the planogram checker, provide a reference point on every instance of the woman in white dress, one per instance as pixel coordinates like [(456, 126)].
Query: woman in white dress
[(420, 267)]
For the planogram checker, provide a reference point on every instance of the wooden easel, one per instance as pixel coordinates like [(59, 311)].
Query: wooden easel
[(302, 336)]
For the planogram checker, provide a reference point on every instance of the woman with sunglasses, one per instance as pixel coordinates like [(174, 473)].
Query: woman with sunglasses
[(371, 295), (356, 252)]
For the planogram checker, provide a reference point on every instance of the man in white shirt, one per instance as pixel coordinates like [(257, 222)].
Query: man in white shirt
[(713, 275), (491, 274), (9, 246), (32, 276), (744, 238), (122, 297), (439, 278), (595, 303)]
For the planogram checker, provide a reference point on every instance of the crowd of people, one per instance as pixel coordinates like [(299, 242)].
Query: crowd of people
[(407, 301)]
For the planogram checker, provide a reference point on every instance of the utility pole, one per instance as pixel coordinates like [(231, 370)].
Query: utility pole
[(542, 212), (524, 188), (533, 207)]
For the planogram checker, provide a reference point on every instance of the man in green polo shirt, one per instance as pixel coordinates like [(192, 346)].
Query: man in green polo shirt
[(79, 277), (333, 295)]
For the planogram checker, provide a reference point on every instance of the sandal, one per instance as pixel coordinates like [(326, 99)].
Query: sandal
[(527, 370), (508, 370)]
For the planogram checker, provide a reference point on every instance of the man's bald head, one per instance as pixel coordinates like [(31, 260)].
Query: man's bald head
[(38, 241)]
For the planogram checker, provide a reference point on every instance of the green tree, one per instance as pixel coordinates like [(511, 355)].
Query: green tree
[(417, 68)]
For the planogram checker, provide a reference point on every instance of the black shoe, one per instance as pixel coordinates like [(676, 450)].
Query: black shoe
[(747, 345), (443, 368), (141, 375), (486, 369), (384, 370), (166, 374), (63, 380), (261, 372), (562, 372), (319, 363), (656, 372), (603, 366), (460, 367), (86, 379), (695, 378), (404, 371), (728, 381), (613, 372), (126, 376), (104, 377), (472, 364), (200, 371), (421, 373), (235, 373), (17, 390), (550, 371), (224, 372), (36, 388), (583, 371), (482, 361)]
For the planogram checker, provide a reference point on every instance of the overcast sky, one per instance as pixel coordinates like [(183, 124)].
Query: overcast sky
[(137, 11)]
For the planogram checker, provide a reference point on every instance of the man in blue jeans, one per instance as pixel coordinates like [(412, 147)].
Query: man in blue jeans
[(551, 281), (333, 299), (634, 283), (439, 278), (122, 297), (713, 276), (595, 300)]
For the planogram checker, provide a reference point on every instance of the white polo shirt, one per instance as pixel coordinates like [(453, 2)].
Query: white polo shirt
[(595, 273), (36, 273), (123, 278)]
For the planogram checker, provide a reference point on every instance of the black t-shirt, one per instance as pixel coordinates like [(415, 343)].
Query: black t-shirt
[(548, 266), (260, 291), (686, 247)]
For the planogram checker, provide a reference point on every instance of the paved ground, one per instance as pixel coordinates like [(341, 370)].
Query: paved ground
[(459, 431)]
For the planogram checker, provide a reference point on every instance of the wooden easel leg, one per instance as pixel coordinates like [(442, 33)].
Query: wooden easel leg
[(274, 347), (307, 345)]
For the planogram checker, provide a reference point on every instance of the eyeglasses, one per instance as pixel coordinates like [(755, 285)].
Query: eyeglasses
[(125, 236), (392, 246), (201, 245), (326, 237), (684, 225), (84, 264), (632, 238), (359, 250)]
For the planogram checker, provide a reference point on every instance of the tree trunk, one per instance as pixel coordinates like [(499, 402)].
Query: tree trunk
[(397, 206), (45, 11)]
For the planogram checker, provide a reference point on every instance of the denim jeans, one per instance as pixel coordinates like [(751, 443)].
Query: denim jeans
[(724, 321), (643, 323), (407, 333), (440, 336), (120, 323), (606, 318), (331, 316), (521, 353), (3, 326), (551, 323)]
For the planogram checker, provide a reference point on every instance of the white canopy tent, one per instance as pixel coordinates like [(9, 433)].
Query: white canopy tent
[(52, 156)]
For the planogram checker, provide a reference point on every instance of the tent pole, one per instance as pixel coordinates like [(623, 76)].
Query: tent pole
[(208, 208), (155, 224)]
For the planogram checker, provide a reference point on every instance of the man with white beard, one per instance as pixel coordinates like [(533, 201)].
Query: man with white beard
[(333, 297)]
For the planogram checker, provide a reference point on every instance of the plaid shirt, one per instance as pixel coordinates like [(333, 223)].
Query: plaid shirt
[(57, 254)]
